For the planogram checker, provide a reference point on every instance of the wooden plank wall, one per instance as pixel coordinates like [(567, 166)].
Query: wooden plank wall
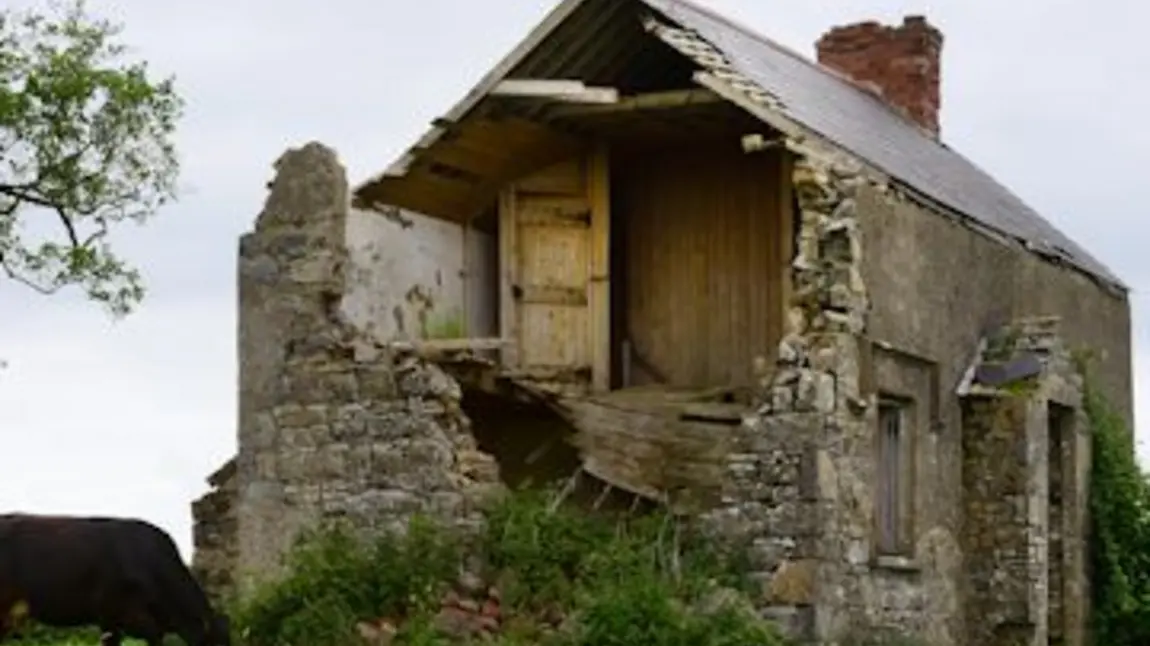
[(706, 245)]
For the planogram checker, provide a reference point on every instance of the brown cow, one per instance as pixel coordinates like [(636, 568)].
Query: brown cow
[(124, 576)]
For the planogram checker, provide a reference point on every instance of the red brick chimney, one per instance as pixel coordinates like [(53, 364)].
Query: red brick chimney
[(900, 64)]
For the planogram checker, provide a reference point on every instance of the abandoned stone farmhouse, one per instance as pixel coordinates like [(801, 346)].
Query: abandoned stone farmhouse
[(661, 258)]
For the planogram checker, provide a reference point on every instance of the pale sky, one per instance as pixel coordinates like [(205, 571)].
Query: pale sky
[(129, 418)]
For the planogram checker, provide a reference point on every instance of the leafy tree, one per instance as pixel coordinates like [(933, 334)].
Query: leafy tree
[(85, 144)]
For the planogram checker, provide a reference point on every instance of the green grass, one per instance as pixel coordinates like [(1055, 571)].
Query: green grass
[(41, 636)]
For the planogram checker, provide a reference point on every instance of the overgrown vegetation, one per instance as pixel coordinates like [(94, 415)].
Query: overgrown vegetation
[(553, 577), (1120, 532), (563, 578), (31, 635)]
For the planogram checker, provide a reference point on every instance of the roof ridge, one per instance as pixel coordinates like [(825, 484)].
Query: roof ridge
[(764, 39)]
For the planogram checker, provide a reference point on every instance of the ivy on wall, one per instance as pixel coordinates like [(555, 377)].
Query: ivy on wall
[(1120, 528)]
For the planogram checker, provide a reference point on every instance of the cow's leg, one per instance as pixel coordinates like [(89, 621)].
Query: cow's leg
[(111, 637), (137, 622)]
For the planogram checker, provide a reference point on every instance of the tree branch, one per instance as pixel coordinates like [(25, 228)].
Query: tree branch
[(23, 280), (24, 193)]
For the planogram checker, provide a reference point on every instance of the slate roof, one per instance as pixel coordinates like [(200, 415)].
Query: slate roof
[(863, 125), (823, 102)]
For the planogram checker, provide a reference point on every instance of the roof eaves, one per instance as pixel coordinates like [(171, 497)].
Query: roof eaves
[(481, 89)]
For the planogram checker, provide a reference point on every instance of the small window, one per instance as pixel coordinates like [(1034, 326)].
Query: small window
[(893, 474)]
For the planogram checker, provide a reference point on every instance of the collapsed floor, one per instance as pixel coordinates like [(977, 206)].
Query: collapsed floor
[(632, 451)]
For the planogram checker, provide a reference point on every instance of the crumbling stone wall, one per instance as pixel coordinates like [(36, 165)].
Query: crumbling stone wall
[(1059, 457), (793, 465), (335, 422), (829, 316), (1026, 464), (831, 372), (332, 422), (817, 426), (832, 369), (214, 532), (997, 533)]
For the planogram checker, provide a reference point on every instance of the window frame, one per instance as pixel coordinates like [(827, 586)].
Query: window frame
[(894, 476)]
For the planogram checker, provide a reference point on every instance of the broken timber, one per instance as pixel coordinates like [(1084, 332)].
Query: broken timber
[(658, 443)]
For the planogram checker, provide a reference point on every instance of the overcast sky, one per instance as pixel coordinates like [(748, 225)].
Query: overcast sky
[(128, 418)]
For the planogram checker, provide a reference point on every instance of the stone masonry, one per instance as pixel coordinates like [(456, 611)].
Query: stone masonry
[(336, 424), (331, 423), (1026, 457), (214, 531), (782, 492), (804, 475)]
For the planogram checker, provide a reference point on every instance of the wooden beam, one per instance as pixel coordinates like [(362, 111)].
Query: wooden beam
[(448, 345), (550, 22), (600, 288), (508, 277), (554, 90), (500, 150), (503, 149), (451, 345), (426, 196), (755, 142), (460, 155), (785, 211), (467, 274), (640, 102)]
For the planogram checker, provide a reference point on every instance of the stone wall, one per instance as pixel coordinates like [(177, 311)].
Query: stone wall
[(997, 533), (214, 532), (1025, 466), (335, 421), (792, 463), (1059, 456), (937, 287), (829, 317), (332, 422), (837, 361)]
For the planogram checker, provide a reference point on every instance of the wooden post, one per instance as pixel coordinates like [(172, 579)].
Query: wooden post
[(508, 278), (465, 324), (600, 288), (786, 213)]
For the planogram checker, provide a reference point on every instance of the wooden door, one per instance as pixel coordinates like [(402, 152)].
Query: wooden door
[(553, 259)]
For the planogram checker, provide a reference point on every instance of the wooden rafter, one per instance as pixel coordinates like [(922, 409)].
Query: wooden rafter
[(555, 90), (641, 102)]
